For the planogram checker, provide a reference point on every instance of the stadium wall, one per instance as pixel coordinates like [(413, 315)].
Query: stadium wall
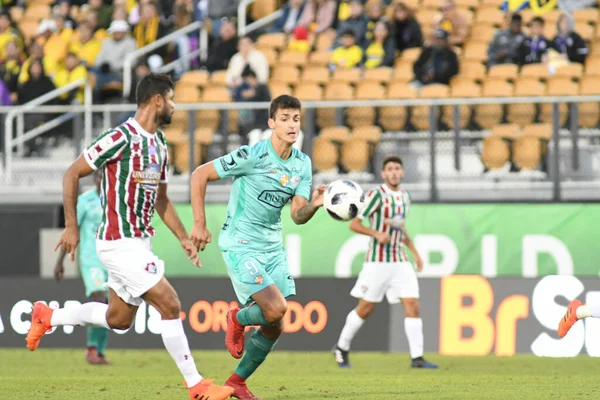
[(464, 315)]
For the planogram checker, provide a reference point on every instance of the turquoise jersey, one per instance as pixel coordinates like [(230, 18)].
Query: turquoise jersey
[(89, 217), (262, 184)]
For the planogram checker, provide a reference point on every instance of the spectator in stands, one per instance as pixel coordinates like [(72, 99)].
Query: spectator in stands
[(8, 33), (291, 12), (299, 41), (247, 55), (104, 13), (357, 23), (10, 68), (36, 52), (222, 48), (535, 46), (150, 29), (375, 14), (454, 23), (251, 91), (183, 11), (63, 9), (119, 13), (504, 48), (109, 62), (221, 11), (142, 69), (5, 95), (407, 30), (318, 15), (348, 55), (65, 32), (91, 17), (71, 72), (381, 51), (85, 46), (55, 46), (567, 42), (574, 5), (438, 63), (343, 11)]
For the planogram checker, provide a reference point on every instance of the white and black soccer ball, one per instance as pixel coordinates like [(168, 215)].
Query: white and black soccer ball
[(343, 200)]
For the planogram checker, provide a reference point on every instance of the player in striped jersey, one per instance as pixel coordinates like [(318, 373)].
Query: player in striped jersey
[(387, 270), (133, 157)]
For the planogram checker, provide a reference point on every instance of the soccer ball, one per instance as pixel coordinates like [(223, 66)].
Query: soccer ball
[(343, 200)]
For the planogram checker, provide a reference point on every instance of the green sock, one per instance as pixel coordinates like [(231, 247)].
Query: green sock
[(102, 335), (251, 316), (92, 337), (256, 351)]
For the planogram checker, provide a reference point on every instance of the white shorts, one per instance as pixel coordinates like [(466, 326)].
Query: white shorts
[(394, 280), (132, 267)]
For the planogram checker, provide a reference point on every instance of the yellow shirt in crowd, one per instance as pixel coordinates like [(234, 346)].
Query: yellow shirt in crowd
[(86, 52), (347, 57), (374, 55), (50, 68), (63, 77)]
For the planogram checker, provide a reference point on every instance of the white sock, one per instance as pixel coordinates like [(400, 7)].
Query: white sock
[(177, 345), (585, 311), (353, 324), (414, 332), (85, 314)]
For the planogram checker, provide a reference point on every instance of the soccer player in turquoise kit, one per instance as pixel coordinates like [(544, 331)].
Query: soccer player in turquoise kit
[(265, 177), (93, 272)]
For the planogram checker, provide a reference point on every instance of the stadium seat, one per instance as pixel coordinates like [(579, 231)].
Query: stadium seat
[(292, 58), (211, 118), (325, 40), (558, 87), (337, 134), (504, 71), (37, 12), (572, 70), (490, 15), (403, 71), (489, 115), (380, 75), (272, 40), (472, 69), (540, 131), (333, 91), (527, 152), (355, 155), (28, 28), (308, 91), (261, 8), (218, 79), (472, 4), (507, 131), (589, 112), (270, 54), (285, 73), (427, 17), (483, 32), (187, 94), (420, 114), (551, 18), (278, 88), (394, 118), (592, 66), (16, 14), (202, 138), (365, 116), (495, 153), (325, 155), (411, 55), (320, 58), (585, 30), (523, 114), (587, 15), (371, 134), (314, 74), (461, 89), (475, 51), (432, 5), (198, 78), (346, 75), (537, 71)]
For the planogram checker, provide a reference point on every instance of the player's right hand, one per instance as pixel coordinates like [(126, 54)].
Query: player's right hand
[(69, 241), (382, 237), (200, 236), (59, 271)]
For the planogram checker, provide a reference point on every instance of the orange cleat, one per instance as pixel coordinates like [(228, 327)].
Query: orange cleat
[(40, 324), (234, 337), (205, 390), (240, 390), (569, 319)]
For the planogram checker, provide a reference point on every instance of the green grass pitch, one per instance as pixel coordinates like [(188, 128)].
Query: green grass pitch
[(150, 374)]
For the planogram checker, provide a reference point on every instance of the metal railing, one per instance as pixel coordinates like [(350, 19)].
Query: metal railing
[(244, 29), (132, 57), (34, 106)]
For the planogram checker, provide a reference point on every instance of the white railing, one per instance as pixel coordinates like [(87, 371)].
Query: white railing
[(244, 29), (165, 40), (34, 107)]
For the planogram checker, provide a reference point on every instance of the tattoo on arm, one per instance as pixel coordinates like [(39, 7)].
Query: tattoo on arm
[(304, 214)]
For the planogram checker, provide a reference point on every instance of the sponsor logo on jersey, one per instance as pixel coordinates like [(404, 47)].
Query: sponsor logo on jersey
[(259, 280), (228, 164), (284, 179), (151, 268), (148, 178), (295, 181), (263, 155), (242, 153), (152, 150), (135, 139), (275, 198)]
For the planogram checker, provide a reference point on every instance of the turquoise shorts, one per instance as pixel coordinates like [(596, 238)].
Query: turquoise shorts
[(94, 277), (251, 272)]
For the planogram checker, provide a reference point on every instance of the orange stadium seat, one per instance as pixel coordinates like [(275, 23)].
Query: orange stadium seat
[(527, 152), (292, 58), (308, 91), (489, 115), (218, 78), (495, 152), (507, 131), (587, 15), (196, 78), (490, 15), (320, 58), (475, 51), (346, 75), (336, 134), (380, 75), (212, 118), (589, 112), (573, 70), (365, 116), (325, 154), (333, 91), (355, 155), (285, 73), (271, 40), (394, 118), (558, 87), (420, 114), (278, 88), (325, 40), (403, 71), (504, 71), (462, 89), (523, 114), (371, 134), (313, 74), (270, 54), (538, 71)]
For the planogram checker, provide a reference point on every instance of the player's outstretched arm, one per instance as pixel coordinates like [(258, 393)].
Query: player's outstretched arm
[(200, 178), (166, 210), (70, 237), (303, 210)]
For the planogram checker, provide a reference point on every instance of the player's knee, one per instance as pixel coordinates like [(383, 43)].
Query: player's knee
[(275, 313), (171, 309), (412, 309), (99, 297), (117, 322)]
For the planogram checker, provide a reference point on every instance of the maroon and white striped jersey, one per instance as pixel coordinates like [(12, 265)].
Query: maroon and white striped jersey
[(134, 163), (383, 203)]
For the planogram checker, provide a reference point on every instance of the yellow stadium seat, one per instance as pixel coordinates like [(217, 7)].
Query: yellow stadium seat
[(325, 40), (37, 12), (371, 134), (507, 131), (427, 17), (472, 69), (587, 15), (355, 155), (394, 118), (333, 91), (380, 75), (365, 116), (592, 66), (495, 152), (572, 70), (464, 89), (483, 32), (411, 55), (585, 30), (420, 114), (187, 94), (527, 152), (472, 4), (489, 115), (540, 131), (558, 87), (538, 71), (490, 15), (403, 71), (278, 88), (218, 78), (325, 155), (475, 51), (270, 54), (589, 113), (523, 114), (432, 4), (308, 91), (320, 58), (285, 73), (196, 78), (336, 134), (272, 40), (211, 118), (313, 74), (347, 75), (504, 71), (292, 58)]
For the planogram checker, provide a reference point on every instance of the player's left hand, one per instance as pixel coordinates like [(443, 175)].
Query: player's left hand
[(191, 251), (317, 196), (419, 262)]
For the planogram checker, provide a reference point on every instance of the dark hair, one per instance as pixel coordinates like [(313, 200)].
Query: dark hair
[(283, 102), (151, 85), (248, 72), (539, 20), (349, 32), (392, 159), (516, 18)]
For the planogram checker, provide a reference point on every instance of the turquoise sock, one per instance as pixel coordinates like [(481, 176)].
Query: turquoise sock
[(251, 316), (256, 351), (102, 335), (92, 337)]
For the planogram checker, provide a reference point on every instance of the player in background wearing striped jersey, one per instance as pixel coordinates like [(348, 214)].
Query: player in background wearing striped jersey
[(133, 158), (387, 270)]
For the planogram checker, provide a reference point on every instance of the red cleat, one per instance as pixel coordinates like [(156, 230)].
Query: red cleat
[(234, 337), (569, 318), (240, 390), (205, 390), (40, 324)]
